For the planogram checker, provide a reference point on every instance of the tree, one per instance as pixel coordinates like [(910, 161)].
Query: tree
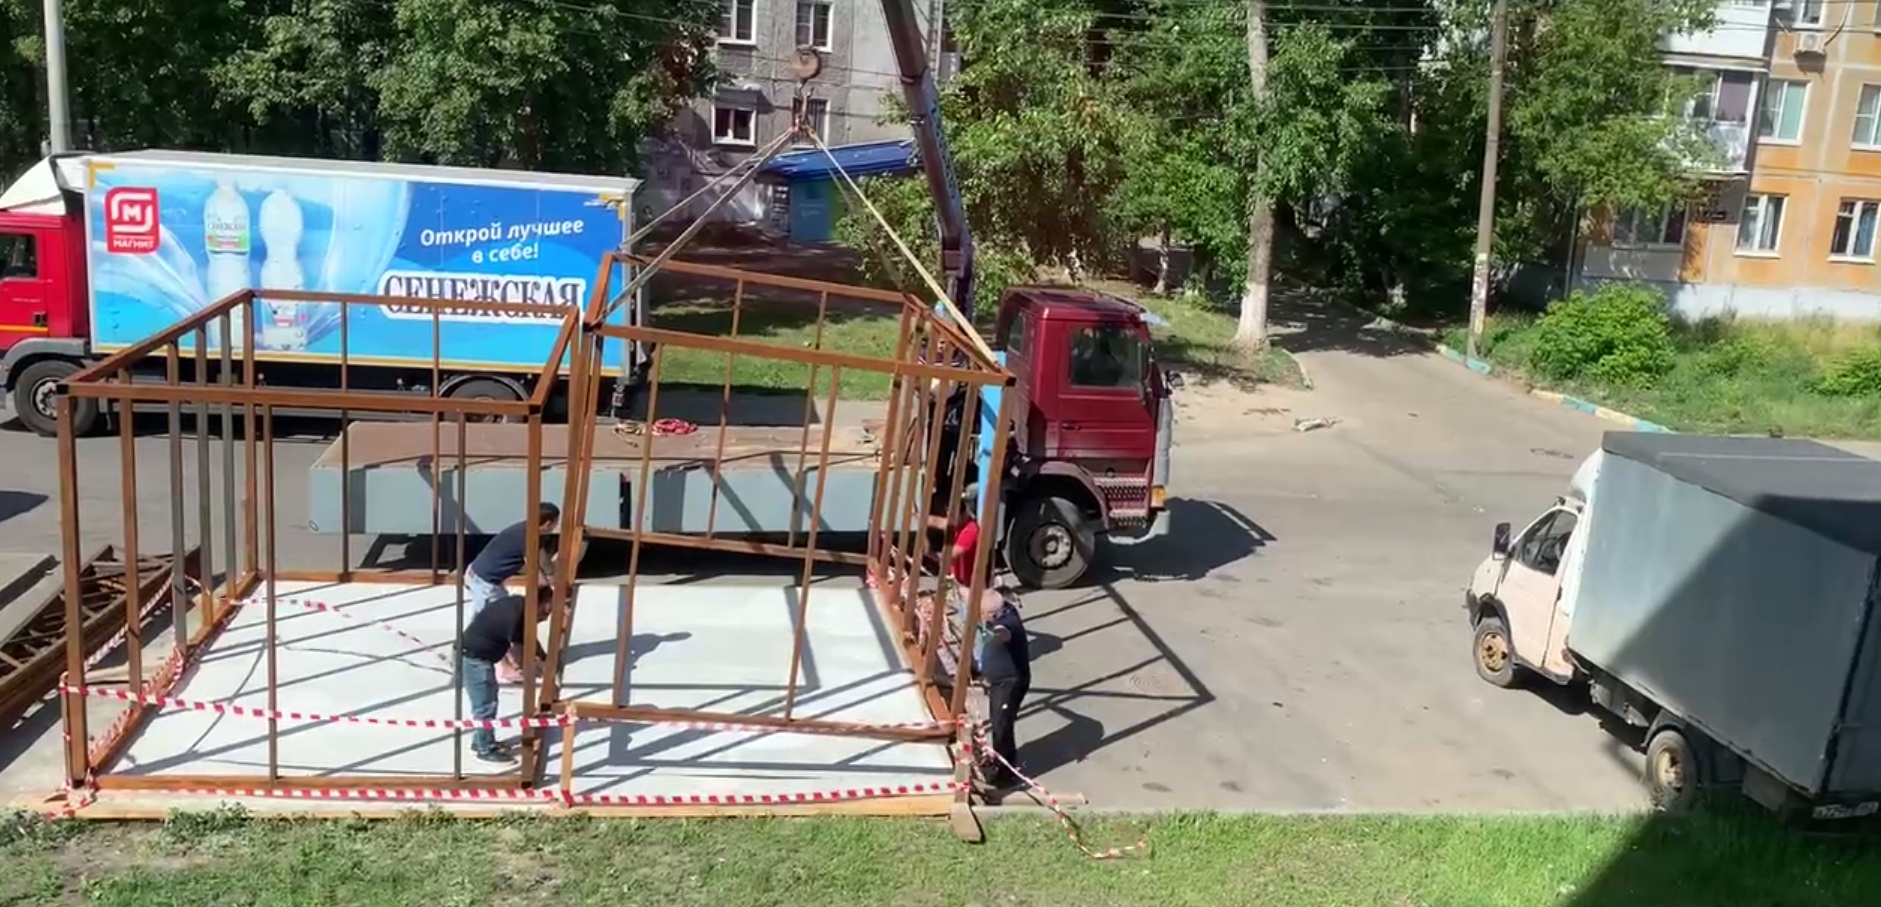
[(1250, 330), (1038, 137)]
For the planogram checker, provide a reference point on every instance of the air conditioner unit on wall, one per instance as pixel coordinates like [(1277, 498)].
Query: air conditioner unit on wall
[(1809, 42)]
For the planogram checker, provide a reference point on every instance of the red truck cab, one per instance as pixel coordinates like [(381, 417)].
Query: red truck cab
[(44, 316), (1092, 428)]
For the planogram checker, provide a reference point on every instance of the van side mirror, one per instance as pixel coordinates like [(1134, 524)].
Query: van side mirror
[(1174, 379), (1499, 543)]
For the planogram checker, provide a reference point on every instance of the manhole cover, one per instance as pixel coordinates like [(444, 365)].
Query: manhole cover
[(1159, 681)]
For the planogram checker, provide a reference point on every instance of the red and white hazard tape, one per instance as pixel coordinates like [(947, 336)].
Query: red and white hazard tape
[(238, 711), (551, 795), (547, 721), (982, 745), (821, 796)]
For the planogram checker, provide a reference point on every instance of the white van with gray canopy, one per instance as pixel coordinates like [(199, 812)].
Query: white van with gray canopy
[(1719, 592)]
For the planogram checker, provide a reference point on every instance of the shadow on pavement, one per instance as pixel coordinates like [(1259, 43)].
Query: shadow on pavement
[(1303, 324), (1164, 678), (14, 503), (1203, 536)]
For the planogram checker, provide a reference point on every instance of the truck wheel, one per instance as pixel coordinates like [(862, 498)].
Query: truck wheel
[(1050, 544), (485, 389), (1672, 772), (35, 399), (1495, 654)]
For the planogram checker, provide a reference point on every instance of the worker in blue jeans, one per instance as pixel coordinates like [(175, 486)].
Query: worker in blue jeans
[(500, 561), (494, 634)]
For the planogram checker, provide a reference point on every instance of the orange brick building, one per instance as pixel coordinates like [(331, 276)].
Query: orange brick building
[(1787, 226)]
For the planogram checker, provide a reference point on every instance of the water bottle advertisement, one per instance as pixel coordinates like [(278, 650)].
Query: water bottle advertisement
[(166, 241)]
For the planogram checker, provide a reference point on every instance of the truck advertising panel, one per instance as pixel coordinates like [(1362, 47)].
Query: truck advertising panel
[(167, 240)]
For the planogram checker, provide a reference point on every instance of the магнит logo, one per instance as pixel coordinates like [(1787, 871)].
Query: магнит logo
[(131, 220)]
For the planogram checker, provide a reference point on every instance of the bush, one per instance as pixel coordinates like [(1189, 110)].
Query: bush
[(1857, 374), (1618, 334), (1734, 356)]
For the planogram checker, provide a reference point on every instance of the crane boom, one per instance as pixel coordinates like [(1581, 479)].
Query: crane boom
[(922, 96)]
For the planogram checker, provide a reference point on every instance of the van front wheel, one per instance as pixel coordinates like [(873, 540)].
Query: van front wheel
[(1495, 653)]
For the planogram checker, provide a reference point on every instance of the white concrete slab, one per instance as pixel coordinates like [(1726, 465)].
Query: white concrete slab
[(721, 648)]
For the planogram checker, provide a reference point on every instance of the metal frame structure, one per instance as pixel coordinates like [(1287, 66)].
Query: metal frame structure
[(934, 359), (233, 562)]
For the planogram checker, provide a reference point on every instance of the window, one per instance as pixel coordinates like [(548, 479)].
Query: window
[(1780, 116), (739, 23), (1761, 225), (1664, 227), (1015, 336), (1868, 117), (1106, 356), (1807, 12), (1721, 96), (1542, 548), (1854, 230), (19, 256), (813, 24), (815, 115), (734, 125)]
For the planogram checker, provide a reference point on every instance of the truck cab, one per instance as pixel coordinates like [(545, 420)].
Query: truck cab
[(1092, 432), (43, 311), (1521, 597)]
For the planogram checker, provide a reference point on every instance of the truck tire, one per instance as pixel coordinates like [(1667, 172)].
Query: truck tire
[(1673, 777), (1050, 544), (1494, 653), (485, 389), (35, 400)]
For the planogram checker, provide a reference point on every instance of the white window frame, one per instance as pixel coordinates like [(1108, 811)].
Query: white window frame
[(1660, 223), (1853, 207), (732, 7), (731, 137), (1869, 97), (829, 23), (1761, 202), (819, 122), (1771, 90), (1799, 7)]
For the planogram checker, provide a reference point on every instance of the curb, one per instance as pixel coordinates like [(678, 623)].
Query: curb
[(1482, 367), (1306, 378), (1565, 401)]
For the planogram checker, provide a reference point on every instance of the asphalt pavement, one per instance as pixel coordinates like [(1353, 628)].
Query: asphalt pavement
[(1296, 643)]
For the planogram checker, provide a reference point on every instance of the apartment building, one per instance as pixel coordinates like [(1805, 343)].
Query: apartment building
[(1786, 223), (756, 99)]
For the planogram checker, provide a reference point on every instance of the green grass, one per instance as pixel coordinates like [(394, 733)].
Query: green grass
[(221, 858), (1730, 376), (1197, 341)]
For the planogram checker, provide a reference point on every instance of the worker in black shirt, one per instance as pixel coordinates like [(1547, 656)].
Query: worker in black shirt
[(495, 634), (500, 561), (1004, 662)]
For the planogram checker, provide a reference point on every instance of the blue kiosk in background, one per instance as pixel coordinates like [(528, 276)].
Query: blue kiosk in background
[(815, 199)]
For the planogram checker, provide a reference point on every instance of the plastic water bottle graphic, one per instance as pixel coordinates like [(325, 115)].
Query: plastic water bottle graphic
[(281, 228), (226, 240)]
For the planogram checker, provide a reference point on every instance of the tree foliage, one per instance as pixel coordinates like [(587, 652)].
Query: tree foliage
[(1078, 127), (515, 83)]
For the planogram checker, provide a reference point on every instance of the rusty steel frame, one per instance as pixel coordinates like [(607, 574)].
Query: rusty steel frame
[(223, 382), (933, 357)]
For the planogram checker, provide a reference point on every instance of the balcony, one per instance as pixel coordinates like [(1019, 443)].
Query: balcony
[(1742, 32), (1732, 141)]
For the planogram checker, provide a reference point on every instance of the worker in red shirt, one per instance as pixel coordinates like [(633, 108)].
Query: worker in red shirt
[(963, 537)]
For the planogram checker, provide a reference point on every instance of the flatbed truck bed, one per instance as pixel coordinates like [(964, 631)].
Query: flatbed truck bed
[(387, 472)]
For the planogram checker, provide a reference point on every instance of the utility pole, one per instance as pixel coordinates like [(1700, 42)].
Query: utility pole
[(1250, 332), (1492, 150), (59, 137)]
